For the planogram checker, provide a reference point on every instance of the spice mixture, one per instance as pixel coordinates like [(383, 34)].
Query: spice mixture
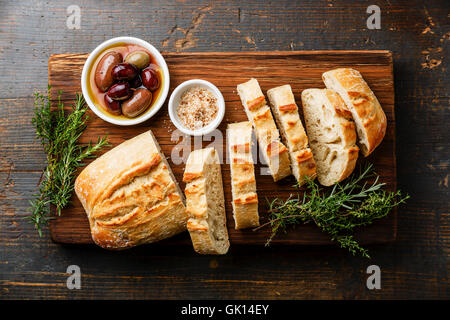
[(197, 108)]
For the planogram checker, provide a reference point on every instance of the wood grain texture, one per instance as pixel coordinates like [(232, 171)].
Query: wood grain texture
[(300, 69), (415, 266)]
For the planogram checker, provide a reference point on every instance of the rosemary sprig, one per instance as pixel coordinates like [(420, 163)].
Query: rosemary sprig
[(337, 212), (59, 133)]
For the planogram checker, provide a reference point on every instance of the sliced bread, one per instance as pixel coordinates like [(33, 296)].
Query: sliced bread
[(205, 202), (274, 152), (243, 183), (294, 136), (367, 112), (332, 134)]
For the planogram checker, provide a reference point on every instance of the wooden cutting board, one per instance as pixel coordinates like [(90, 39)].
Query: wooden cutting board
[(300, 69)]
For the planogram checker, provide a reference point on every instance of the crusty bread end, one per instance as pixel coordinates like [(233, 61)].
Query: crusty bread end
[(367, 112)]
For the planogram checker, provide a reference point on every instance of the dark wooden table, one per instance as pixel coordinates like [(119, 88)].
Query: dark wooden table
[(415, 266)]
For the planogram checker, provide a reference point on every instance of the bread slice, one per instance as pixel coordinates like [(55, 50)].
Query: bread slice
[(131, 196), (243, 183), (286, 115), (205, 202), (332, 134), (274, 152), (367, 112)]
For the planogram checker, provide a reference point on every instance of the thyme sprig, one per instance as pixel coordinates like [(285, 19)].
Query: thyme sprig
[(58, 133), (338, 212)]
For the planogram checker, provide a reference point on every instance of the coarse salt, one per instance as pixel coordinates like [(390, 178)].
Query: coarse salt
[(197, 108)]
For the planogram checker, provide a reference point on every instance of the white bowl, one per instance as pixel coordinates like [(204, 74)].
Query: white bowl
[(175, 98), (156, 105)]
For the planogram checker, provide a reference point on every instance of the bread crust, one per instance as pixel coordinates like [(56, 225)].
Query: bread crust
[(243, 182), (205, 202), (130, 195), (332, 133), (293, 134), (251, 95), (367, 112), (265, 128)]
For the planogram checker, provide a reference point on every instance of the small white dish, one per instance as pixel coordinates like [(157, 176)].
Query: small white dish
[(158, 103), (175, 98)]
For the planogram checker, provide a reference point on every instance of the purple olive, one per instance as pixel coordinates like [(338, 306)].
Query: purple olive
[(103, 77), (120, 91), (113, 105), (124, 72), (150, 79), (136, 82), (138, 103)]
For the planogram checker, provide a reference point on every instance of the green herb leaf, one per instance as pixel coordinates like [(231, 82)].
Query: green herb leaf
[(58, 133), (337, 212)]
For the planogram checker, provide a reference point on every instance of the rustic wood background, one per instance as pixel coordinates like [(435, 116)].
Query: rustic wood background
[(415, 266), (273, 69)]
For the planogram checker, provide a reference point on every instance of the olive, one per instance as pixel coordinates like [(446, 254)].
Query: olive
[(124, 72), (150, 79), (136, 82), (103, 76), (138, 103), (113, 105), (140, 59), (120, 91)]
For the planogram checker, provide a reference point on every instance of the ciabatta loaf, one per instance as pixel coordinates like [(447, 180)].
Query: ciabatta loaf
[(205, 202), (131, 196), (286, 114), (367, 112), (332, 134), (243, 183), (275, 153)]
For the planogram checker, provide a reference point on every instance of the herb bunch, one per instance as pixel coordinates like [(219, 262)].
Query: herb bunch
[(337, 212), (58, 133)]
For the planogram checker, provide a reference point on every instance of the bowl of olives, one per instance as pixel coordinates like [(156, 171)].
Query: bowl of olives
[(125, 81)]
